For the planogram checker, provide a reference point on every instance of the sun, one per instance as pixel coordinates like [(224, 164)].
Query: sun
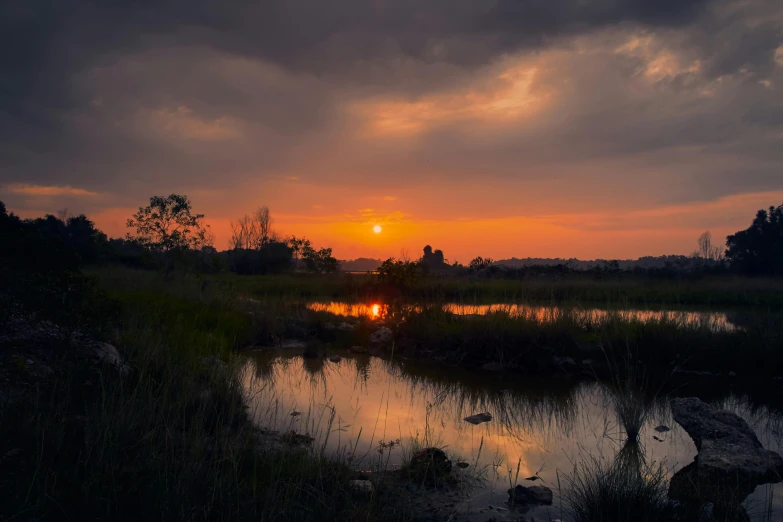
[(377, 229)]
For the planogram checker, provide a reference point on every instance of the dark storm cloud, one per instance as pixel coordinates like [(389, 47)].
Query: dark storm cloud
[(195, 93), (771, 116), (44, 42)]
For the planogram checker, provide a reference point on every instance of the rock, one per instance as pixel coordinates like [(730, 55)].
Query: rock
[(731, 461), (381, 336), (534, 495), (478, 418), (688, 490), (563, 362), (11, 454), (662, 429), (347, 326), (335, 358), (358, 349), (533, 478), (294, 438), (362, 487), (462, 465), (430, 463), (492, 367), (108, 354)]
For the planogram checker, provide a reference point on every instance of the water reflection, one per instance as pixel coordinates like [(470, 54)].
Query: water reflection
[(716, 320), (539, 428)]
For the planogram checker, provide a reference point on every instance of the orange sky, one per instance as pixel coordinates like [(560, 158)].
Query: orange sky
[(610, 234), (615, 141)]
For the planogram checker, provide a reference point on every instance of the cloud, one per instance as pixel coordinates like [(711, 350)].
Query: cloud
[(41, 190), (181, 122), (506, 96), (475, 111)]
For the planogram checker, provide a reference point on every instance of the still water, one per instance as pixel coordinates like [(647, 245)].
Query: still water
[(358, 406), (712, 319)]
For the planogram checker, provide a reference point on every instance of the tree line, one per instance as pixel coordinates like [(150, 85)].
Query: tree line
[(169, 234), (757, 250)]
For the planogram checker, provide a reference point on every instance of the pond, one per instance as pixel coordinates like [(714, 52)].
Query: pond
[(718, 320), (374, 412)]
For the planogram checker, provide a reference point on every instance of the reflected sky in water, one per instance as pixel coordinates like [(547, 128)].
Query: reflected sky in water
[(717, 320), (356, 405)]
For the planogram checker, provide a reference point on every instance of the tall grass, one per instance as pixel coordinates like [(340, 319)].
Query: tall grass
[(528, 342), (634, 392), (172, 440), (622, 290), (626, 490)]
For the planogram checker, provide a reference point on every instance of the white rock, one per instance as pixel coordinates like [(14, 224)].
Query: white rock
[(363, 487), (108, 354)]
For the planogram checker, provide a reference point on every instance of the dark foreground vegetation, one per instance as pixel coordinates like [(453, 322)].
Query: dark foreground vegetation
[(162, 436), (164, 432)]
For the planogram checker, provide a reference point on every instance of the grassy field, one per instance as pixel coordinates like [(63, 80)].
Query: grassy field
[(610, 291), (529, 343), (169, 441)]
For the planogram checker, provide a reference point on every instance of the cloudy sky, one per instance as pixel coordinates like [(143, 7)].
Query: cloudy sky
[(542, 128)]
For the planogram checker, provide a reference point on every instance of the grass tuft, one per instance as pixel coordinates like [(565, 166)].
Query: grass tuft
[(627, 490)]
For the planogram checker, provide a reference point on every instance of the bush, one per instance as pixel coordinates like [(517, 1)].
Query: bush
[(41, 278)]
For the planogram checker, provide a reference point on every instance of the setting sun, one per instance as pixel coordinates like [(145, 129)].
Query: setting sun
[(377, 229)]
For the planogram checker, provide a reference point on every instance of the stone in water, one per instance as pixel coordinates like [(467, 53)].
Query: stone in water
[(478, 418)]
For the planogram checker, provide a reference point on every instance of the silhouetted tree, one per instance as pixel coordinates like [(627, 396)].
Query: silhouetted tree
[(88, 241), (759, 248), (479, 263), (169, 224), (432, 260), (318, 261), (397, 273), (273, 257), (297, 246), (708, 250), (40, 274), (252, 231)]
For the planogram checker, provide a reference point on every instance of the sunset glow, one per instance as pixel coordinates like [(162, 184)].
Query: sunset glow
[(613, 140)]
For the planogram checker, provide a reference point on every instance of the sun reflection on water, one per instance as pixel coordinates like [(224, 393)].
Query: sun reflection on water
[(543, 314)]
